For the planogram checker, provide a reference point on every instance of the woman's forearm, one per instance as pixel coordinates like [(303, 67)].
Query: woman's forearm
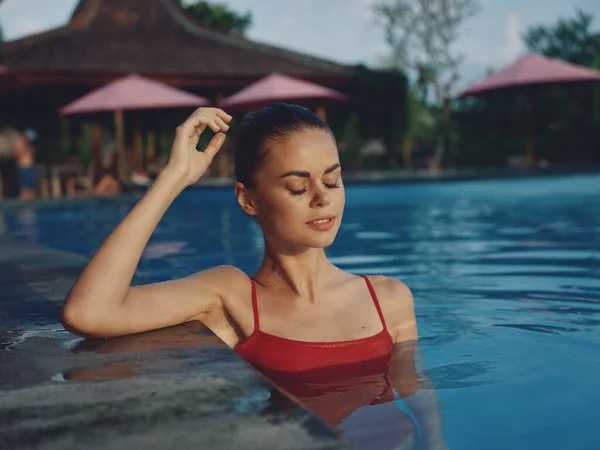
[(104, 283), (412, 383), (425, 406)]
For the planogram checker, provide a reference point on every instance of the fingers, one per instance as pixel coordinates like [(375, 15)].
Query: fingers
[(213, 126), (221, 123), (213, 118), (223, 115), (198, 121), (214, 146)]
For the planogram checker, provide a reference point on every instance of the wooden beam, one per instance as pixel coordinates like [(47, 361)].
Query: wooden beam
[(233, 82)]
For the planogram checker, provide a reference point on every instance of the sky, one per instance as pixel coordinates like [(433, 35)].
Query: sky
[(346, 30)]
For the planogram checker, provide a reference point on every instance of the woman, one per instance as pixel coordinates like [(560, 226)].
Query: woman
[(298, 313)]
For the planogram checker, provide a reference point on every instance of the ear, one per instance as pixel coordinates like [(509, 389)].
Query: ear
[(244, 199)]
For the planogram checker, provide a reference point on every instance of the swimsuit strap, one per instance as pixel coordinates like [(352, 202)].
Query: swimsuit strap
[(374, 297), (254, 305), (369, 285)]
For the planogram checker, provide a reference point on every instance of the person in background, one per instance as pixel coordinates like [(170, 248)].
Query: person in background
[(107, 183), (9, 185), (23, 152)]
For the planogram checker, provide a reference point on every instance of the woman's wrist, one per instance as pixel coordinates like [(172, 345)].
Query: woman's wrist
[(171, 181)]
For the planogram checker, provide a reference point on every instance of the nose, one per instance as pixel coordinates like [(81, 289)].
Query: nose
[(321, 198)]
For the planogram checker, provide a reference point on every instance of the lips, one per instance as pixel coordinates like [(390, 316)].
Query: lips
[(322, 223)]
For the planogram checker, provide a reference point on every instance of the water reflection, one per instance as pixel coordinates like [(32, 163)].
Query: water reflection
[(385, 403), (394, 394), (165, 351)]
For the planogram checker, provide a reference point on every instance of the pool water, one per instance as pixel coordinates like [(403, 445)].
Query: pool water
[(505, 276)]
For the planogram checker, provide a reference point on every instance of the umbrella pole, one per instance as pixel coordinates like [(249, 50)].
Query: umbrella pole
[(120, 141), (137, 144), (96, 150), (530, 140)]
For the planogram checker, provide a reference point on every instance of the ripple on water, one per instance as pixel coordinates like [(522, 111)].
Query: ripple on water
[(505, 277), (374, 235)]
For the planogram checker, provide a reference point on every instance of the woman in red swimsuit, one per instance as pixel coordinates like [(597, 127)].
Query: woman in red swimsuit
[(298, 317)]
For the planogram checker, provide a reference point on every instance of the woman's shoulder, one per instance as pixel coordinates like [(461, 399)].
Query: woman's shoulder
[(390, 287), (397, 305), (385, 287), (223, 279), (227, 283)]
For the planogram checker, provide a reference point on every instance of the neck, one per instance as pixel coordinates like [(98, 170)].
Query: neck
[(301, 272)]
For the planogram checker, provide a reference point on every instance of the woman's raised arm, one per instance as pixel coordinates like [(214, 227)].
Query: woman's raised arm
[(102, 302)]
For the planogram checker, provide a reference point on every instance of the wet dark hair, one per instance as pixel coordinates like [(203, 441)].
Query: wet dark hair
[(276, 122)]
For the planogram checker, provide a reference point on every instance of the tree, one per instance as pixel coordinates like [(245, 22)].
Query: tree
[(422, 34), (569, 40), (1, 34), (218, 17)]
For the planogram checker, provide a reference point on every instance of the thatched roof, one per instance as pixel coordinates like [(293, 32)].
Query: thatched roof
[(156, 38)]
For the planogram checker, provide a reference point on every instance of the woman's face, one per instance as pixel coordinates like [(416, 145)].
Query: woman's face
[(299, 196)]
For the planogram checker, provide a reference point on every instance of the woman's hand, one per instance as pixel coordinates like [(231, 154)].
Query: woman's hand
[(185, 161)]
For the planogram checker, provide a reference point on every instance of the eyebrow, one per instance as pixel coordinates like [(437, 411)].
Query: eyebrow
[(297, 173)]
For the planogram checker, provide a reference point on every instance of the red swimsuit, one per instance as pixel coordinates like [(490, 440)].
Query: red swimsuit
[(336, 380), (274, 353)]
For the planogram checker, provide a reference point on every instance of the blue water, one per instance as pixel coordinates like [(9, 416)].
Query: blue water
[(505, 275)]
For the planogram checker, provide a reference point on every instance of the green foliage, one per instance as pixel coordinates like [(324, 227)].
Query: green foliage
[(422, 122), (378, 111), (217, 16), (351, 143), (564, 126), (569, 40), (84, 144), (382, 98), (422, 36), (423, 129)]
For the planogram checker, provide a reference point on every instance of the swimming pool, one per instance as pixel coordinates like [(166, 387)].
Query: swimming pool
[(505, 275)]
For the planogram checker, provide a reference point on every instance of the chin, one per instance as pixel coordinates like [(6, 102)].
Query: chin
[(325, 240)]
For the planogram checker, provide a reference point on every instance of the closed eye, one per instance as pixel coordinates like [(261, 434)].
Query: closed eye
[(303, 190), (299, 192)]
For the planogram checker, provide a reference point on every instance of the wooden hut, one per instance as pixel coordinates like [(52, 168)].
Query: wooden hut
[(106, 39)]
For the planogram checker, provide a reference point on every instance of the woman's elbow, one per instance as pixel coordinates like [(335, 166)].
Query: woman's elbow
[(77, 322)]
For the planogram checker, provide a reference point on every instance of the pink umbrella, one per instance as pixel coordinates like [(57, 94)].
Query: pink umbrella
[(131, 93), (532, 70), (277, 87)]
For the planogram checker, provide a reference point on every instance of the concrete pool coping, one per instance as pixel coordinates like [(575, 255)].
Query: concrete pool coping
[(374, 177), (364, 178), (172, 388)]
